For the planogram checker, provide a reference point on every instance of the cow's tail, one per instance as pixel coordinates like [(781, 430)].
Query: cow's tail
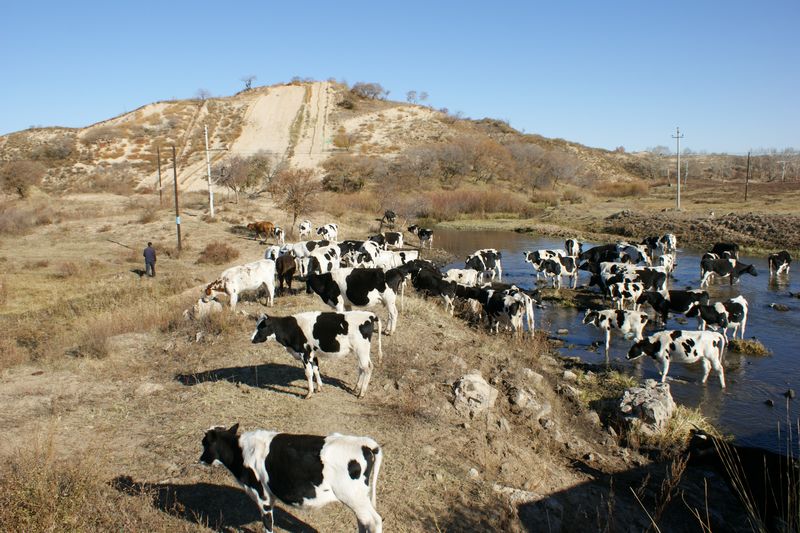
[(403, 295), (380, 343), (377, 453)]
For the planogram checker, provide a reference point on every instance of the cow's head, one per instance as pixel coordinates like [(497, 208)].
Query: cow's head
[(642, 347), (591, 317), (251, 226), (215, 286), (219, 445), (750, 269), (265, 330), (413, 228)]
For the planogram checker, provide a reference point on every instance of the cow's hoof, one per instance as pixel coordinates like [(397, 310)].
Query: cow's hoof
[(387, 332)]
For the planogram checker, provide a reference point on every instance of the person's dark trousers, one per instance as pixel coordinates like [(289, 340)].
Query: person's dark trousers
[(150, 268)]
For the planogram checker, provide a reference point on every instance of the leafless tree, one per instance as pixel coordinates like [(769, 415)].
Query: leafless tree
[(423, 96), (343, 140), (19, 176), (248, 81), (372, 91), (528, 160), (294, 191), (411, 97), (203, 94)]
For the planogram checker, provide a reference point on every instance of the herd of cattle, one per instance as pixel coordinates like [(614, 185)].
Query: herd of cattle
[(309, 471)]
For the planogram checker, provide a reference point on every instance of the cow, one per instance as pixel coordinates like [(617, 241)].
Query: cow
[(360, 287), (573, 247), (468, 277), (348, 249), (388, 259), (626, 322), (324, 259), (285, 269), (779, 263), (767, 483), (423, 234), (653, 278), (667, 261), (722, 248), (302, 252), (669, 243), (504, 308), (267, 228), (675, 346), (636, 253), (654, 246), (536, 257), (280, 235), (202, 308), (274, 252), (722, 268), (560, 266), (598, 254), (308, 335), (428, 280), (389, 217), (305, 471), (626, 290), (390, 239), (486, 260), (249, 277), (329, 232), (675, 301), (305, 228), (731, 313)]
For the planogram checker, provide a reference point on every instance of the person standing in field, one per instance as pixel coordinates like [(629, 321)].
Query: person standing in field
[(150, 260)]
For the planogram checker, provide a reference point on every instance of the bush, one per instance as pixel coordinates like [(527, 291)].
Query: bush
[(372, 91), (218, 253), (148, 215), (573, 196), (67, 269), (615, 189), (17, 177)]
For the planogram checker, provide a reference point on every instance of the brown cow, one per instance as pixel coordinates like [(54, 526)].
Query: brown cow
[(267, 228), (285, 269)]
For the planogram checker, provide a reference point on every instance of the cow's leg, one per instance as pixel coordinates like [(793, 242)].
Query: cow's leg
[(271, 292), (717, 364), (315, 363), (234, 299), (265, 507), (499, 272), (364, 372), (664, 368), (369, 521), (608, 341), (309, 370), (706, 369), (392, 322)]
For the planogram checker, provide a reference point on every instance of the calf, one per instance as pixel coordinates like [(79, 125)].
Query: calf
[(390, 239), (304, 229), (560, 266), (573, 247), (728, 314), (779, 263), (389, 217), (359, 287), (468, 277), (329, 232), (722, 268), (249, 277), (202, 308), (280, 235), (285, 268), (308, 335), (274, 252), (267, 228), (304, 471), (626, 290), (721, 248), (423, 234), (765, 482), (683, 347), (626, 322), (677, 301)]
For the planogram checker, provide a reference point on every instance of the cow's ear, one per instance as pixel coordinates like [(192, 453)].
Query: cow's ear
[(234, 428)]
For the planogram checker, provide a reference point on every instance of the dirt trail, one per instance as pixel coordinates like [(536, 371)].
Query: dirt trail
[(311, 150)]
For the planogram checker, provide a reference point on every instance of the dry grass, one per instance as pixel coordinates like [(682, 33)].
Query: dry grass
[(19, 219), (217, 253), (67, 269), (748, 347), (448, 205), (596, 388), (149, 214), (617, 189)]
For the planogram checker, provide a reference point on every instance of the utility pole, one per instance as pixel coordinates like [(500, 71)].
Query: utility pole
[(678, 136), (783, 172), (177, 210), (208, 165), (747, 177), (160, 190)]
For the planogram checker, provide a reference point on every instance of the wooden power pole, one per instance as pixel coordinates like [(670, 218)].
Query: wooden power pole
[(160, 190), (678, 136), (747, 177), (177, 209)]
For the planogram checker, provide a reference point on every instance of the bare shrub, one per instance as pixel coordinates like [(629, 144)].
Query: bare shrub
[(349, 173), (148, 215), (15, 220), (343, 140), (614, 189), (551, 198), (369, 90), (100, 134), (448, 205), (105, 228), (92, 342), (217, 253), (294, 192), (57, 148), (118, 178), (17, 177), (573, 196), (67, 269)]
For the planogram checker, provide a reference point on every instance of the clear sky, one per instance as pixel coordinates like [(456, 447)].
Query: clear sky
[(603, 74)]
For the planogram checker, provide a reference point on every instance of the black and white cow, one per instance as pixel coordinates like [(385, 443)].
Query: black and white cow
[(302, 252), (536, 257), (431, 284), (390, 239), (389, 217), (626, 322), (653, 278), (360, 287), (764, 481), (308, 335), (573, 247), (462, 276), (304, 229), (560, 266), (348, 249), (626, 290), (731, 313), (486, 262), (722, 268), (675, 346), (675, 301), (305, 471), (636, 253), (722, 248), (280, 235), (388, 259), (779, 263), (324, 259), (329, 232), (669, 243), (596, 254), (424, 235)]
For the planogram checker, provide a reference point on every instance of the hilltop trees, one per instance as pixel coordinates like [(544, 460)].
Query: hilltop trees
[(372, 90), (248, 81)]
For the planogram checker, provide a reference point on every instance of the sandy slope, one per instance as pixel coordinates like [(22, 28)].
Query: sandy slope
[(312, 147)]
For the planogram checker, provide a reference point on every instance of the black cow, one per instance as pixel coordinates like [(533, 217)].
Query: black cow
[(724, 267), (721, 248), (653, 278), (596, 254), (764, 481), (305, 471), (779, 263), (679, 302)]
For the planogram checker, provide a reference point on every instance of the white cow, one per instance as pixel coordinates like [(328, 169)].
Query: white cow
[(626, 322), (468, 277), (305, 229), (683, 347), (249, 277)]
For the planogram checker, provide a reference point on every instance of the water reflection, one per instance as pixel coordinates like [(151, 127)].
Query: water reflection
[(740, 408)]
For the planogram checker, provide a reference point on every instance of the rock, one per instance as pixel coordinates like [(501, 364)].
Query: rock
[(473, 473), (589, 457), (647, 407), (769, 403), (429, 450), (503, 424), (146, 389), (592, 418), (458, 362), (562, 331), (199, 336), (789, 394), (779, 307), (546, 423), (516, 496), (473, 395), (438, 477), (569, 375), (570, 392), (534, 377)]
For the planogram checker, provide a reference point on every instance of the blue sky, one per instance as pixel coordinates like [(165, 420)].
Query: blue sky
[(603, 74)]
